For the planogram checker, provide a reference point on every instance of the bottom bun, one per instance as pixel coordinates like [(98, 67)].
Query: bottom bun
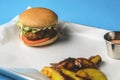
[(51, 40)]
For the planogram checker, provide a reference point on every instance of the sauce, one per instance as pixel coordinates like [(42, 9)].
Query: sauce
[(115, 41)]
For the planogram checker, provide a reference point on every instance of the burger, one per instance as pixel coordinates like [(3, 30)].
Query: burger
[(38, 26)]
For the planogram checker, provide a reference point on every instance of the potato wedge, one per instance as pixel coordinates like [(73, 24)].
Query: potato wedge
[(94, 74), (71, 74), (81, 73), (52, 73), (95, 59), (47, 71), (84, 63)]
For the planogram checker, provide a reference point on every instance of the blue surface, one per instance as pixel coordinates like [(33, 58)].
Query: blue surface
[(96, 13)]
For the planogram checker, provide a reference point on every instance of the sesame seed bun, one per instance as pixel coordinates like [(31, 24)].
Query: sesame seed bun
[(38, 17)]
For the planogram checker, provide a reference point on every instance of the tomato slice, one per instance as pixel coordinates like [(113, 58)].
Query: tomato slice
[(34, 42)]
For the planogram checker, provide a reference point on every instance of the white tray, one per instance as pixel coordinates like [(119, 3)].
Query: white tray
[(76, 41)]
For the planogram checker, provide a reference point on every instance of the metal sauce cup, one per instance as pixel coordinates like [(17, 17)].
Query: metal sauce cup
[(113, 44)]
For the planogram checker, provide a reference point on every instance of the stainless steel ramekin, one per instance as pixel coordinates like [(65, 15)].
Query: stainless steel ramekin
[(113, 48)]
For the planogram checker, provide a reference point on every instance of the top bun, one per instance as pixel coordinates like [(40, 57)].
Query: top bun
[(38, 17)]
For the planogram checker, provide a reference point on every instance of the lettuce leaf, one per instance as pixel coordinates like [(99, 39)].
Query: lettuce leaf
[(29, 29)]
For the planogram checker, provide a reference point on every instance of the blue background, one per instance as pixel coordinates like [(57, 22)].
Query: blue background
[(96, 13)]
